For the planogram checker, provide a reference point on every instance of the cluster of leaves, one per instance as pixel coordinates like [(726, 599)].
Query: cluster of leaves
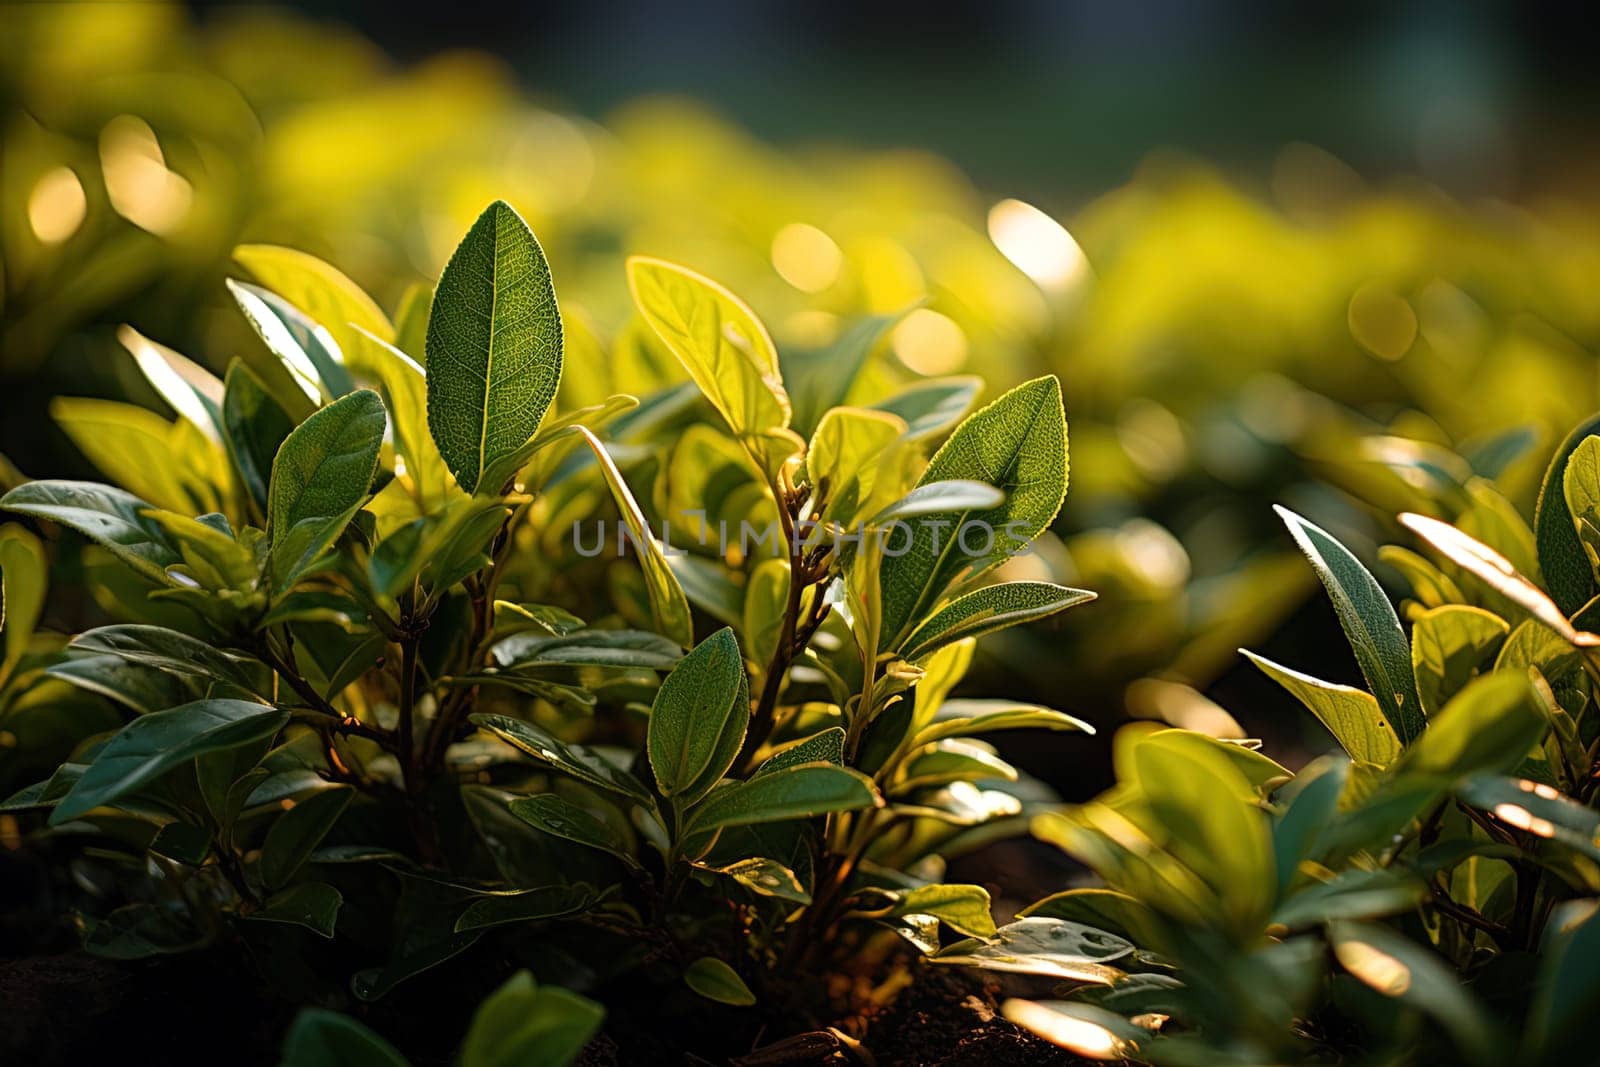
[(1422, 890), (342, 714)]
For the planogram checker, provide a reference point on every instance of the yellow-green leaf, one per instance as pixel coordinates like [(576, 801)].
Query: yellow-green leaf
[(494, 345)]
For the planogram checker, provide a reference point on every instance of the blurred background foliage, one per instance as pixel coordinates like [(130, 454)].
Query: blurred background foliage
[(1226, 338)]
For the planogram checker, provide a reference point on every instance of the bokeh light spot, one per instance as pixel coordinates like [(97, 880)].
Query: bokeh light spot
[(1037, 244), (806, 258), (57, 206), (929, 343)]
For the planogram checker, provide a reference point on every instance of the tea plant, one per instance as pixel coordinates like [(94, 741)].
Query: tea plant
[(348, 719), (1241, 917)]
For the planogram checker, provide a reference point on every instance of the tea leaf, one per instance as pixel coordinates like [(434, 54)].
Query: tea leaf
[(109, 517), (791, 793), (1053, 948), (1369, 622), (494, 345), (318, 289), (578, 762), (1449, 645), (725, 349), (255, 427), (989, 609), (194, 392), (1395, 967), (298, 832), (169, 650), (153, 744), (1017, 444), (715, 980), (313, 358), (1497, 572), (1489, 726), (963, 908), (23, 575), (313, 905), (1353, 716), (767, 877), (322, 1038), (698, 719), (953, 495), (668, 605), (827, 746), (556, 815), (130, 445), (320, 478), (931, 407), (587, 648), (1536, 809), (522, 1023), (964, 718), (1562, 559)]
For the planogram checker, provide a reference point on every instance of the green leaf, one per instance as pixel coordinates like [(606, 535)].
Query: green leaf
[(194, 392), (588, 648), (1568, 986), (405, 388), (322, 1038), (494, 345), (562, 430), (1562, 559), (169, 650), (1351, 715), (937, 497), (298, 832), (1352, 894), (821, 380), (766, 599), (824, 747), (725, 349), (135, 686), (1369, 622), (110, 517), (767, 877), (669, 607), (1053, 948), (1535, 808), (986, 610), (580, 763), (23, 577), (313, 905), (255, 427), (153, 744), (524, 905), (559, 816), (1488, 726), (963, 908), (131, 446), (306, 348), (1393, 965), (791, 793), (1496, 572), (715, 980), (966, 718), (931, 407), (949, 761), (1313, 805), (698, 719), (318, 289), (521, 1023), (1017, 444), (1449, 645), (320, 478)]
